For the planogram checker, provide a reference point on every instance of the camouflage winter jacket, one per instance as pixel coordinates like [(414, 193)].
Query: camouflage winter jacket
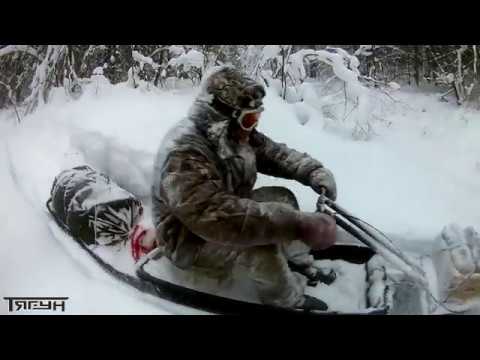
[(203, 181)]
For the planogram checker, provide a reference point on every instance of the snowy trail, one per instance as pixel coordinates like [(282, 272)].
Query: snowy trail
[(419, 174)]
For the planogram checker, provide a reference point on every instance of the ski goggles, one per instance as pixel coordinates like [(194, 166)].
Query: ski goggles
[(248, 119)]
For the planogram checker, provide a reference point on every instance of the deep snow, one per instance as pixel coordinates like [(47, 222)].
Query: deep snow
[(420, 172)]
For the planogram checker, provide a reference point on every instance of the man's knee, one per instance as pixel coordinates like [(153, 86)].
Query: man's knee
[(265, 261), (215, 256), (277, 194), (210, 259)]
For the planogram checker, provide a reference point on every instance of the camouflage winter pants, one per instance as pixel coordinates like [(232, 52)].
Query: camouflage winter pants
[(266, 265)]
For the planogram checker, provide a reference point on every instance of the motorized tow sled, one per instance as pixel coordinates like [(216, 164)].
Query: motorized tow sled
[(372, 275)]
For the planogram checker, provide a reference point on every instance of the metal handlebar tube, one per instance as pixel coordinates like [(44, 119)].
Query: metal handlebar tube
[(386, 244), (367, 237)]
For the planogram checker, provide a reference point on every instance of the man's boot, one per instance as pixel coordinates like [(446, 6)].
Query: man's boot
[(313, 304)]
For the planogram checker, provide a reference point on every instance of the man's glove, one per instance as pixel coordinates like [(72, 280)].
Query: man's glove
[(317, 230), (323, 178)]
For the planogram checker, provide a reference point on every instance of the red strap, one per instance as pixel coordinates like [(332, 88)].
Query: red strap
[(136, 242)]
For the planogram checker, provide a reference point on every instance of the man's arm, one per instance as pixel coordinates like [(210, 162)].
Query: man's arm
[(193, 189), (280, 161)]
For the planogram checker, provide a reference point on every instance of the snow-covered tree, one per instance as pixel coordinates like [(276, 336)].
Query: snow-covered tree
[(28, 72)]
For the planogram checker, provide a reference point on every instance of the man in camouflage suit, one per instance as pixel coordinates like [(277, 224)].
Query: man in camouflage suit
[(204, 205)]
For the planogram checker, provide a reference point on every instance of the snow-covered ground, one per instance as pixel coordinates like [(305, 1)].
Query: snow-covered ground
[(419, 172)]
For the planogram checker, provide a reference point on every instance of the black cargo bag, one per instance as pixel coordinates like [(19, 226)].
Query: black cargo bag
[(92, 208)]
